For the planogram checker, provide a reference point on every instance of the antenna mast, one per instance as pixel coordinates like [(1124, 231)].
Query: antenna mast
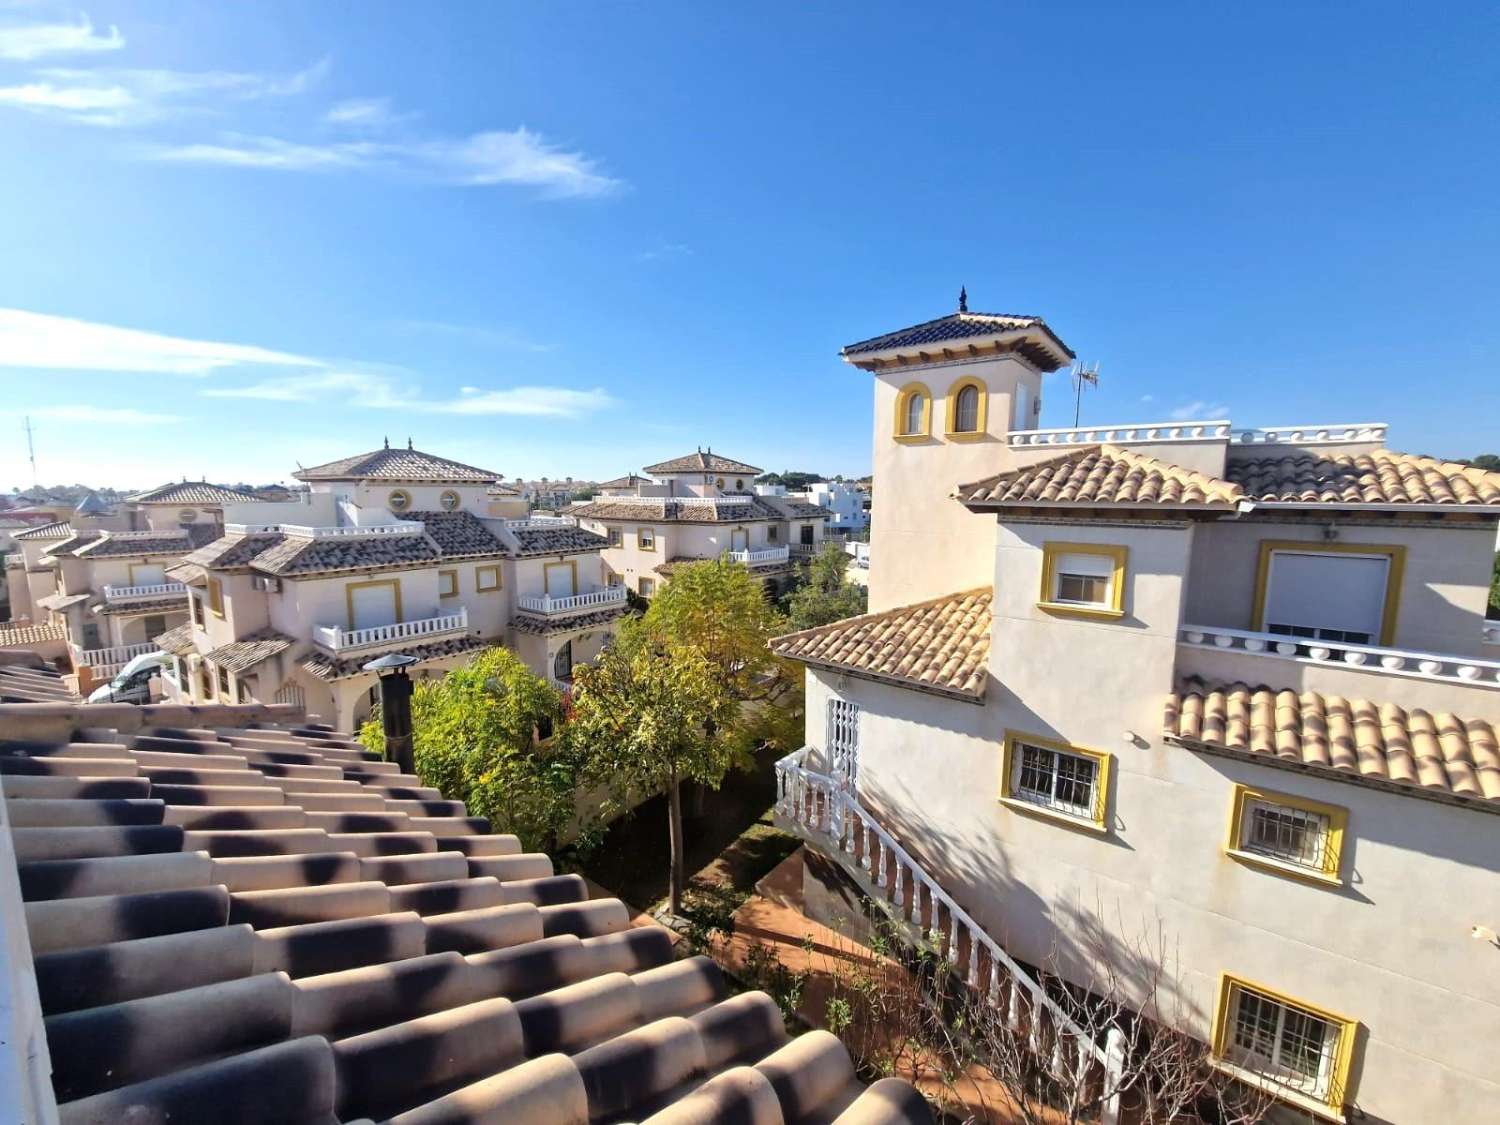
[(1082, 375), (31, 451)]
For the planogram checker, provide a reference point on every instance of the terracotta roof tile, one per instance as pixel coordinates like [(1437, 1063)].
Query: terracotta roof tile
[(72, 543), (954, 326), (629, 480), (15, 634), (121, 544), (242, 655), (233, 551), (306, 555), (194, 492), (561, 540), (541, 624), (1379, 742), (941, 645), (62, 601), (1100, 475), (178, 641), (399, 464), (754, 510), (701, 462), (142, 608), (459, 535), (59, 530), (1378, 477), (326, 667)]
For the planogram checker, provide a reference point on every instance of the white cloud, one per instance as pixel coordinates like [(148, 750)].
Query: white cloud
[(365, 113), (1148, 398), (36, 340), (1199, 411), (25, 42), (550, 402), (518, 157), (109, 415), (666, 250), (381, 392)]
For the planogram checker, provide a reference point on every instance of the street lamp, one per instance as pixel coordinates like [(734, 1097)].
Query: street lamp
[(395, 707)]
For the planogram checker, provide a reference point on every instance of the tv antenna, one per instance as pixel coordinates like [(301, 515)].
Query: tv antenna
[(1082, 376), (31, 450)]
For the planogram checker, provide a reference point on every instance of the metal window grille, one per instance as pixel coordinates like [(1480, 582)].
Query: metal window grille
[(1056, 780), (843, 738), (1285, 833), (1284, 1042)]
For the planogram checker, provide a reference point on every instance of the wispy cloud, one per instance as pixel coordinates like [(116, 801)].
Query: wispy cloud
[(365, 113), (25, 42), (518, 157), (380, 392), (666, 250), (38, 341), (489, 335), (1148, 398), (1198, 411), (107, 415)]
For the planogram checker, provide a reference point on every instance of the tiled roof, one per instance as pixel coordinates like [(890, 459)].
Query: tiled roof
[(177, 640), (1100, 475), (1377, 742), (642, 511), (302, 555), (20, 634), (122, 544), (230, 552), (1378, 477), (629, 480), (326, 667), (796, 509), (189, 574), (92, 505), (20, 684), (703, 462), (59, 530), (194, 492), (954, 326), (70, 545), (942, 645), (62, 601), (541, 624), (403, 962), (562, 540), (500, 488), (142, 608), (459, 535), (399, 464), (242, 655)]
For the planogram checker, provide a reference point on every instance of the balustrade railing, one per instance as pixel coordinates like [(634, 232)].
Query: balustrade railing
[(814, 801), (1321, 434), (1366, 658), (104, 663), (338, 639), (1135, 433), (139, 593), (305, 531), (600, 598), (759, 558), (542, 522)]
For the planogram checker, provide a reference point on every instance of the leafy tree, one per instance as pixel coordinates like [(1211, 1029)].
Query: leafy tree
[(795, 481), (475, 739), (1487, 461), (1495, 589), (827, 595), (649, 714)]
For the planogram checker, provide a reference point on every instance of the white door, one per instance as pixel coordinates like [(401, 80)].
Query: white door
[(372, 605), (560, 582), (147, 575), (843, 741), (739, 540), (1330, 597)]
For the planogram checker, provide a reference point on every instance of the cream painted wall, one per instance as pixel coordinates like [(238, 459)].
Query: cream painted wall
[(424, 497), (1443, 592)]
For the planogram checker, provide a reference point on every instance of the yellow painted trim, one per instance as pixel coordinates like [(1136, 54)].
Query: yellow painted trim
[(981, 414), (651, 531), (745, 531), (1051, 550), (1395, 572), (451, 574), (651, 593), (395, 492), (1338, 1080), (1333, 849), (445, 496), (1099, 822), (547, 569), (612, 534), (479, 576), (899, 430), (352, 586), (216, 597)]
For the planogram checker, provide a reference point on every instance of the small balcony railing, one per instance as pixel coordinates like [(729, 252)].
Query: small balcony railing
[(105, 662), (804, 550), (542, 522), (155, 592), (768, 557), (1432, 666), (337, 639), (602, 597)]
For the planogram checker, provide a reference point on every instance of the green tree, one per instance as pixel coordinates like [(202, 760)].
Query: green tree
[(475, 738), (650, 714), (827, 595), (1495, 589)]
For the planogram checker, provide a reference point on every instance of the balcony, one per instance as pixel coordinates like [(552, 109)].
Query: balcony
[(601, 597), (103, 663), (157, 592), (338, 640), (1429, 680), (804, 550), (770, 556)]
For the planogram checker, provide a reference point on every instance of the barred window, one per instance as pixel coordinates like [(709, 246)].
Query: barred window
[(1056, 779), (1283, 1041)]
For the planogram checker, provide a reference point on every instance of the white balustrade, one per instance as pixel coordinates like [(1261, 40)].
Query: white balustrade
[(815, 801), (759, 558), (542, 522), (599, 598), (1367, 658), (338, 639), (1321, 434), (104, 663), (304, 531), (711, 501), (251, 528), (138, 593), (1133, 433)]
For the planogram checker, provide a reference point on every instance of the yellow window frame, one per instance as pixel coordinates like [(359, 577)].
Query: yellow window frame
[(641, 582), (349, 588), (1053, 551), (1333, 845), (450, 579), (981, 413), (548, 568), (1395, 572), (903, 396), (640, 544), (216, 597), (1098, 821), (1331, 1103), (614, 537), (480, 572)]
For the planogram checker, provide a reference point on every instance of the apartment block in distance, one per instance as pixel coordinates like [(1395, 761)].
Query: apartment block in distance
[(701, 506), (1227, 689)]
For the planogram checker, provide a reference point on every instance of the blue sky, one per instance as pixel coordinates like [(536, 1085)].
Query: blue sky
[(574, 239)]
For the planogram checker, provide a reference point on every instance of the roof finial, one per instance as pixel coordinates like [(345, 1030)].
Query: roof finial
[(388, 441), (963, 299), (408, 441)]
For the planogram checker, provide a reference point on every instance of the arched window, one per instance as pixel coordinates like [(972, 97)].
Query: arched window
[(449, 500), (399, 500), (913, 412), (966, 409), (562, 663)]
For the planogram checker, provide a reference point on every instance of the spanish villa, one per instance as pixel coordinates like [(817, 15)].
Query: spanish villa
[(392, 550), (701, 506), (1229, 688)]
